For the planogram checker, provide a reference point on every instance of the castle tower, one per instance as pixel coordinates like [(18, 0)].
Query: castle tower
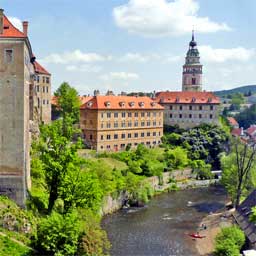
[(192, 70)]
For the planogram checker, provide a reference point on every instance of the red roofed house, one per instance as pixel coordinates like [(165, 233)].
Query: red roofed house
[(111, 123), (232, 122), (42, 83), (17, 108), (188, 109), (251, 132)]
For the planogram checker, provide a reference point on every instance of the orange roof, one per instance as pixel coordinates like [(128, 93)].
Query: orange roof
[(83, 99), (187, 97), (251, 130), (121, 102), (237, 132), (39, 69), (233, 121), (10, 31)]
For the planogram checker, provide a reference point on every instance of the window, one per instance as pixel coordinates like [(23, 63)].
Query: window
[(43, 89), (90, 136), (43, 79), (102, 125), (148, 134), (170, 115), (135, 135), (148, 114), (180, 107), (123, 124), (180, 115), (136, 124), (142, 114), (47, 89), (116, 115), (154, 133), (37, 88), (123, 114), (190, 116), (102, 115), (148, 123), (38, 102), (142, 123), (142, 134), (129, 114), (154, 114), (115, 124), (200, 116), (154, 123), (122, 145), (129, 124), (108, 137), (170, 107), (129, 135), (136, 114), (193, 81), (123, 136), (115, 136), (211, 107), (43, 102), (47, 80), (211, 116), (8, 55), (200, 107), (108, 146), (47, 102), (190, 107), (108, 115), (102, 137), (108, 125)]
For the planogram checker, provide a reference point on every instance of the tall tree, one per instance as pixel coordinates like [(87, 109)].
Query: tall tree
[(237, 169), (68, 102)]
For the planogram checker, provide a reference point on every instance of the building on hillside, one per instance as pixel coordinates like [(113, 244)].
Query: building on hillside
[(192, 69), (42, 83), (232, 122), (189, 109), (242, 217), (16, 87), (111, 123)]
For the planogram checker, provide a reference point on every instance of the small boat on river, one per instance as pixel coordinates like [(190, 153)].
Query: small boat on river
[(195, 235)]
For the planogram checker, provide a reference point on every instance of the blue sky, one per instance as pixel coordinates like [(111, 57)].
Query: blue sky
[(139, 45)]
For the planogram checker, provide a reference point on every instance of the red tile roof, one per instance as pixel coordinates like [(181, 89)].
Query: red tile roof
[(39, 69), (11, 31), (121, 102), (232, 121), (237, 132), (187, 97), (251, 130)]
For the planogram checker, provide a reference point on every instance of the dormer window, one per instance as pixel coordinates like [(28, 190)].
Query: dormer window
[(209, 99), (177, 99), (6, 27), (153, 104), (107, 104), (89, 104), (141, 104), (122, 104), (132, 104), (193, 99)]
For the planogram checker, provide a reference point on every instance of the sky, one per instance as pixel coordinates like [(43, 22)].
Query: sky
[(139, 45)]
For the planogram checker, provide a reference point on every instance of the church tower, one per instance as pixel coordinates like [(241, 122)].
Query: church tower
[(192, 70)]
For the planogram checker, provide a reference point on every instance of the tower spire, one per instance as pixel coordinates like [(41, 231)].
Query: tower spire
[(193, 34)]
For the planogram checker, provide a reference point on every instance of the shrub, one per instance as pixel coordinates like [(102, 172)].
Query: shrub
[(229, 241)]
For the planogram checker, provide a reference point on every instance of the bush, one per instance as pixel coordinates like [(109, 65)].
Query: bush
[(58, 234), (229, 241)]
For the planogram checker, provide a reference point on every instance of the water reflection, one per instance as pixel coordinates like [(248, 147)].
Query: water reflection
[(161, 227)]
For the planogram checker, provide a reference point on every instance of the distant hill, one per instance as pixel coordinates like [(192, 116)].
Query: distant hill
[(242, 89)]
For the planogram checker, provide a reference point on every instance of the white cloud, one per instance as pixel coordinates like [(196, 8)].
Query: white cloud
[(162, 17), (138, 57), (16, 22), (210, 54), (120, 76), (76, 56), (83, 68)]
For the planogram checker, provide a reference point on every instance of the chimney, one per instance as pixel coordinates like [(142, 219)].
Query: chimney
[(25, 27), (1, 21)]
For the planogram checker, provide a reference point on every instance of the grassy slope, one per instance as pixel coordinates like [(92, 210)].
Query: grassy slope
[(242, 89)]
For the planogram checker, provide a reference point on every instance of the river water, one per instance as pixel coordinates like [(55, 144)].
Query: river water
[(161, 227)]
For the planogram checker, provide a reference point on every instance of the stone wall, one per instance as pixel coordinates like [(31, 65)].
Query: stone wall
[(111, 204)]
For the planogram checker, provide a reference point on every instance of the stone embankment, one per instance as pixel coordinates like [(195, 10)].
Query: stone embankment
[(182, 179)]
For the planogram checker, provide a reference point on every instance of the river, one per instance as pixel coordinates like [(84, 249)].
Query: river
[(161, 227)]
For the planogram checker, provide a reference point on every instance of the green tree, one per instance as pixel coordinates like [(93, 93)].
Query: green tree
[(58, 234), (202, 170), (237, 167), (247, 117), (229, 241), (176, 158), (68, 104)]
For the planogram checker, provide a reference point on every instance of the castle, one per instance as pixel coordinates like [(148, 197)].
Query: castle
[(23, 105)]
